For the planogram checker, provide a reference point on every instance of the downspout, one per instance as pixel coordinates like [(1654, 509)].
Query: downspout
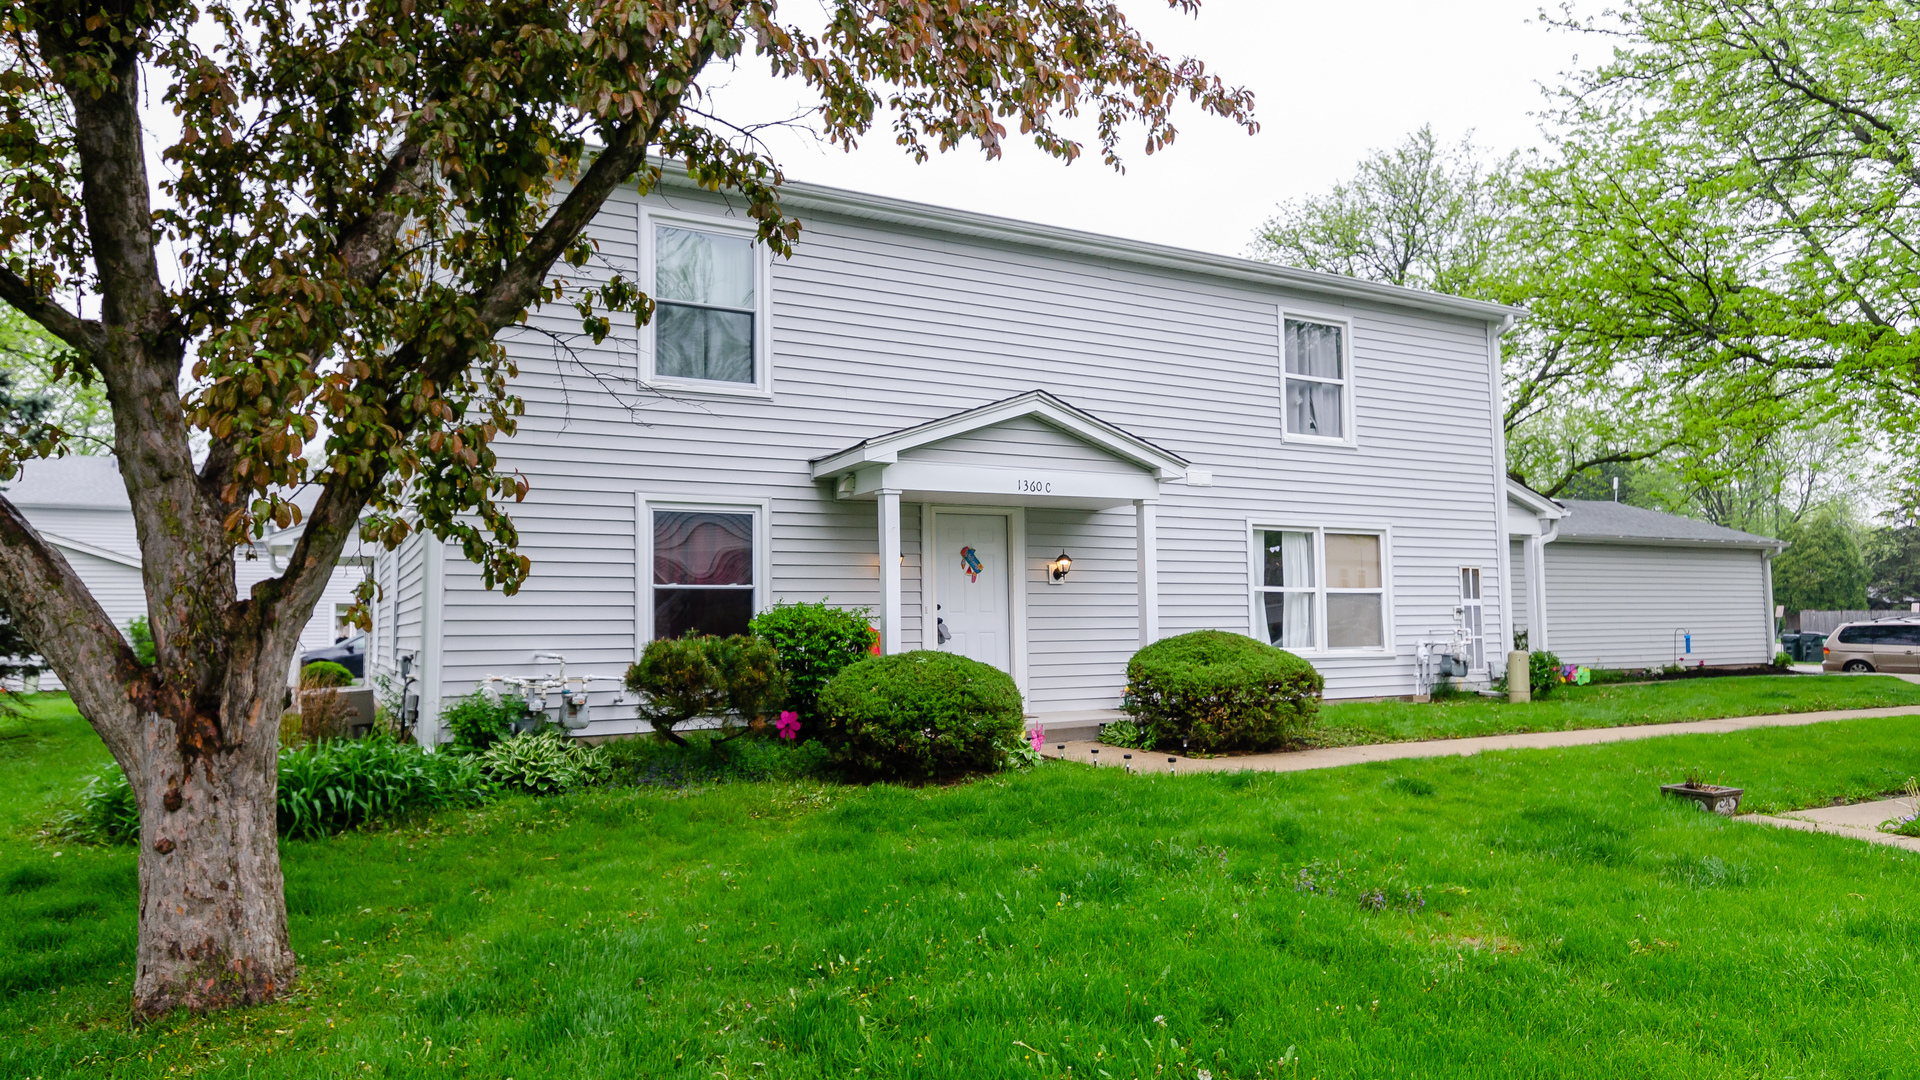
[(1497, 394), (1541, 637)]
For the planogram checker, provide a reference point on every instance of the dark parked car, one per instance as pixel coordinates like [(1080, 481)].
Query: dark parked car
[(350, 654)]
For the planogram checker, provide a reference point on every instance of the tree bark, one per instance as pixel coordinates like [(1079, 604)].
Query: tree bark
[(213, 914)]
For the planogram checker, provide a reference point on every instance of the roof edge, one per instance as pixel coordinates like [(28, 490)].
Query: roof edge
[(796, 194), (1758, 544)]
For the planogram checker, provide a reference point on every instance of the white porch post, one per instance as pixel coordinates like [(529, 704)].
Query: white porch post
[(1536, 555), (1149, 570), (890, 628)]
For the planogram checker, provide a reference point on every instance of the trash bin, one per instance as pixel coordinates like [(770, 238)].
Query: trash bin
[(1813, 647)]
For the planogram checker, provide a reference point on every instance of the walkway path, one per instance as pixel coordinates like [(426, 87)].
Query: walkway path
[(1296, 761), (1859, 821)]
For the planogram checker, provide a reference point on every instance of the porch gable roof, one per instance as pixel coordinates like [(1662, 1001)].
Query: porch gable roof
[(1120, 443)]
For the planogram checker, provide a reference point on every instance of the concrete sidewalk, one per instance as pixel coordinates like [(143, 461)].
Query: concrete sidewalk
[(1858, 821), (1300, 760)]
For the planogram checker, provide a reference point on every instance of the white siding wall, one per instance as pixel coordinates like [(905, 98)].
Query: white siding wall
[(875, 328), (1618, 605), (109, 529)]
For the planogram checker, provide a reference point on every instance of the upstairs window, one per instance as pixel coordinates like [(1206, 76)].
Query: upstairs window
[(1314, 382), (703, 572), (709, 306)]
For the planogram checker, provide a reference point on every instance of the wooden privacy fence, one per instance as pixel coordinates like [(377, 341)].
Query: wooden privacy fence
[(1825, 622)]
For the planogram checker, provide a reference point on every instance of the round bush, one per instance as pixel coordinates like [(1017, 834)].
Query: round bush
[(324, 674), (1211, 691), (815, 643), (920, 715)]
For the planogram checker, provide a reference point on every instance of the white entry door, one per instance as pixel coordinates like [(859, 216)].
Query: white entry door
[(970, 556)]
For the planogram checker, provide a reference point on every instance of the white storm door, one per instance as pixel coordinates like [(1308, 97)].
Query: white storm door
[(970, 556)]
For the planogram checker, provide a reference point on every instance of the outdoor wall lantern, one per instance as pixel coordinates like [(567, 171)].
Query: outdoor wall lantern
[(1058, 569)]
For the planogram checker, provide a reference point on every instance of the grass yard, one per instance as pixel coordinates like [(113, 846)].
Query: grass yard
[(1065, 922), (1618, 705)]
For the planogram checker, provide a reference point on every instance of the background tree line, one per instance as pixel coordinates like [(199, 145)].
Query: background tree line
[(1718, 246)]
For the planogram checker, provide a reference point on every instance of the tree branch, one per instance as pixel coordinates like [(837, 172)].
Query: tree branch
[(54, 610), (84, 336)]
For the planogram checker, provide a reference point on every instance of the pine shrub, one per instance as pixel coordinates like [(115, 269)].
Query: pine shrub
[(735, 680), (1210, 691)]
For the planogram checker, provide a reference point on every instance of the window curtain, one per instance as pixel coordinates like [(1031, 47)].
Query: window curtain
[(1296, 561), (695, 548)]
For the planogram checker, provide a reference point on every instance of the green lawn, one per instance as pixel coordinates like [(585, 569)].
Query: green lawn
[(1572, 707), (1575, 925)]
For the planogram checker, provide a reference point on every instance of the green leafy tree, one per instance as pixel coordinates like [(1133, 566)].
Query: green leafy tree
[(1893, 549), (360, 197), (1823, 570), (1738, 202)]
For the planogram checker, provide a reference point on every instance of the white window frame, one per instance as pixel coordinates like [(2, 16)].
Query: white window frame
[(1257, 587), (1348, 435), (1467, 605), (762, 385), (643, 507)]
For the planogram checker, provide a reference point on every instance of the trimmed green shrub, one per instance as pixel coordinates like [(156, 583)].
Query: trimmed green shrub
[(324, 674), (1211, 691), (814, 642), (1543, 673), (920, 715), (339, 784), (736, 680), (479, 720), (543, 763)]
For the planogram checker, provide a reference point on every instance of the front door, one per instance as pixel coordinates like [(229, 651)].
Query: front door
[(970, 554)]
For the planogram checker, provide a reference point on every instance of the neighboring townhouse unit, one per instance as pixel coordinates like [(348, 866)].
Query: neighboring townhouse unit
[(1051, 444), (79, 505), (1610, 585)]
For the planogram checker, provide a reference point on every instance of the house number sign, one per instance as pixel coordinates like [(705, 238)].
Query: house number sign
[(1035, 486)]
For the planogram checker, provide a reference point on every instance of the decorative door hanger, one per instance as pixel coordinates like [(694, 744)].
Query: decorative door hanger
[(970, 562)]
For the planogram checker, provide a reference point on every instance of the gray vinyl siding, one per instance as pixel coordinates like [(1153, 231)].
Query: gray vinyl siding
[(111, 529), (1619, 605), (1020, 443), (877, 327)]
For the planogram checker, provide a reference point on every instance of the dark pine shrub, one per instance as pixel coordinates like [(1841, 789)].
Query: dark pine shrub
[(814, 642), (920, 716), (735, 681), (1543, 673), (1211, 691)]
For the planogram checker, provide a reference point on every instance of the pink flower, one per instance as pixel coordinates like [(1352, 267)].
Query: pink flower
[(788, 725), (1038, 737)]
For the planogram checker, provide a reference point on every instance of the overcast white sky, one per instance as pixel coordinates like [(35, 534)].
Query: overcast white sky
[(1332, 81)]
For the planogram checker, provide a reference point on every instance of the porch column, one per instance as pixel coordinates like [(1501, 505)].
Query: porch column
[(1536, 556), (890, 620), (1149, 570)]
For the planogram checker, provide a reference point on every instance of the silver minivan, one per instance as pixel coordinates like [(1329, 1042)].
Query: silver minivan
[(1890, 646)]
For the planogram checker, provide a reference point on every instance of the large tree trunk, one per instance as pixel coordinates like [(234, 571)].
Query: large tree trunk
[(213, 915)]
